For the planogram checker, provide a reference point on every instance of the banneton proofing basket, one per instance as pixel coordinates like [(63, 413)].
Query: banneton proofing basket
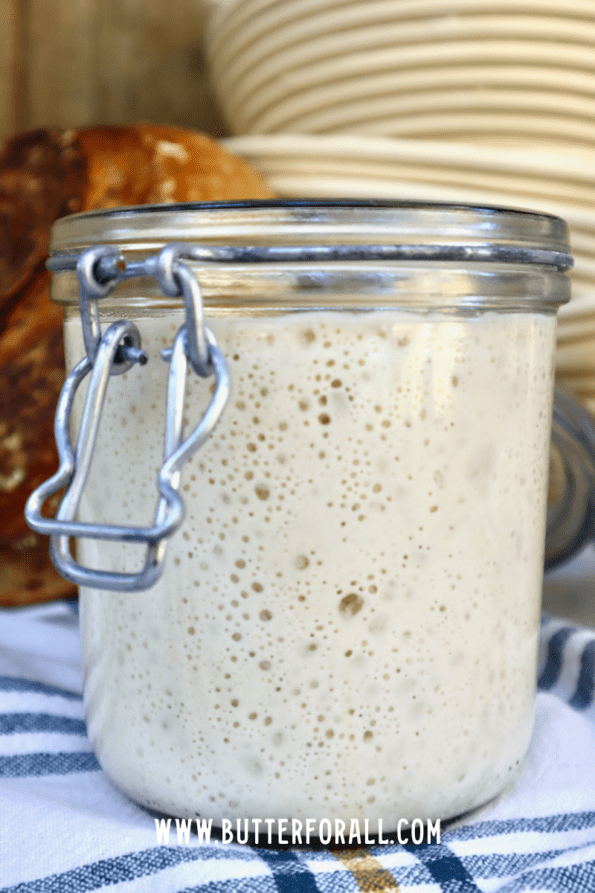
[(316, 436)]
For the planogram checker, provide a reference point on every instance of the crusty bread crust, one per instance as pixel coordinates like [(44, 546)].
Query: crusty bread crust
[(154, 163)]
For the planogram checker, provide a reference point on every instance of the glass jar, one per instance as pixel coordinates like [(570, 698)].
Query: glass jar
[(346, 624)]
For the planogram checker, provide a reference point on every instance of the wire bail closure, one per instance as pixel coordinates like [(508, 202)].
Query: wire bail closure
[(99, 270)]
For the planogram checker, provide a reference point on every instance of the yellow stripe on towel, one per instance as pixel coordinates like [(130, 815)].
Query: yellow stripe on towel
[(369, 874)]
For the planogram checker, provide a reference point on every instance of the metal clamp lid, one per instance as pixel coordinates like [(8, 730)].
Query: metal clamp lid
[(99, 270), (267, 254)]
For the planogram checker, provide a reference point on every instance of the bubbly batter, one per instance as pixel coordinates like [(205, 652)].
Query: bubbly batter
[(347, 623)]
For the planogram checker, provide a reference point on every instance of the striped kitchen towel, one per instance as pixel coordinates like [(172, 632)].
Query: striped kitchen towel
[(65, 829)]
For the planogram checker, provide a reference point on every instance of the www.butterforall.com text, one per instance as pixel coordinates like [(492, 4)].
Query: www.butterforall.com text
[(293, 831)]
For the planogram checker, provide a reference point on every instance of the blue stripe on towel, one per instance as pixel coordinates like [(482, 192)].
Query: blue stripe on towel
[(553, 665), (497, 865), (11, 723), (444, 867), (585, 689), (36, 764), (10, 684), (551, 824), (246, 885), (565, 879), (289, 872)]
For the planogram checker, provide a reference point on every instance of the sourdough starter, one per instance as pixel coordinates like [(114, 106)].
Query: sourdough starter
[(347, 623)]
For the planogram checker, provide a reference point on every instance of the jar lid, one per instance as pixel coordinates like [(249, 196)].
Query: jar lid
[(335, 230)]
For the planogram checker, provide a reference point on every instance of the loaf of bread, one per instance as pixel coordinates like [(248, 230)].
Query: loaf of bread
[(44, 175)]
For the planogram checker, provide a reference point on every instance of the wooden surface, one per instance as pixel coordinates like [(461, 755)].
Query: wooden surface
[(76, 62)]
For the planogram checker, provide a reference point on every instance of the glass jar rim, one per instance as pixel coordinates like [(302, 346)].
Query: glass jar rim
[(434, 231)]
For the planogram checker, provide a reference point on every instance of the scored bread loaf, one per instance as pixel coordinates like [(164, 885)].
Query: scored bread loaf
[(45, 174)]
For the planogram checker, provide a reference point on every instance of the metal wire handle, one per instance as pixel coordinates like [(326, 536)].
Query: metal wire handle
[(110, 354)]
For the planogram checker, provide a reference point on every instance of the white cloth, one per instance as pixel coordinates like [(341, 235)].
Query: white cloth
[(64, 827)]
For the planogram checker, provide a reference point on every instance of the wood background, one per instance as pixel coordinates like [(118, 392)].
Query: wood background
[(75, 62)]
